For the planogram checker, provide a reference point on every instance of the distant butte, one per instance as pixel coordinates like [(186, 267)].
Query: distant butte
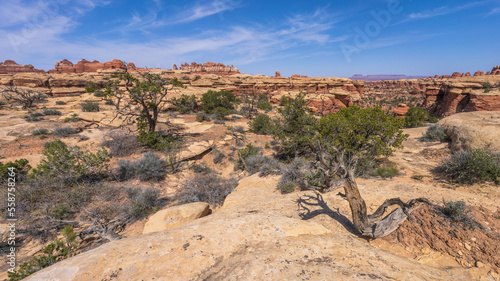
[(208, 68), (381, 77), (11, 67)]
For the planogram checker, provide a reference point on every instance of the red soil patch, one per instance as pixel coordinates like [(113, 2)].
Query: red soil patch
[(469, 246)]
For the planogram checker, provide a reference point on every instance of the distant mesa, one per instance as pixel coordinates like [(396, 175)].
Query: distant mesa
[(11, 67), (207, 68), (381, 77)]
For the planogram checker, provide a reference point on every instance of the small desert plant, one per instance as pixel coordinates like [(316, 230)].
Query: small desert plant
[(292, 173), (142, 202), (270, 166), (434, 133), (64, 131), (201, 168), (219, 156), (109, 102), (90, 87), (417, 177), (121, 145), (51, 112), (487, 87), (25, 97), (90, 106), (244, 153), (60, 102), (472, 166), (151, 167), (74, 118), (206, 187), (39, 132), (34, 117), (202, 116), (261, 124), (186, 104), (387, 170), (458, 212), (126, 170), (286, 187)]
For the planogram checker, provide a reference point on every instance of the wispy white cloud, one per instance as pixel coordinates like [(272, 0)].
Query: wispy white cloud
[(494, 11), (204, 10), (441, 11)]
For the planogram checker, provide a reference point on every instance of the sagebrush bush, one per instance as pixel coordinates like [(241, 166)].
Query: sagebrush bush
[(64, 131), (121, 145), (261, 124), (286, 187), (243, 153), (270, 166), (202, 116), (389, 170), (33, 117), (60, 102), (201, 168), (90, 106), (39, 132), (472, 166), (458, 212), (264, 105), (293, 173), (142, 201), (126, 170), (206, 187), (434, 133), (150, 167), (51, 112)]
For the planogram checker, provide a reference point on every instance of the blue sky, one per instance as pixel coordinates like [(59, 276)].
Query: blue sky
[(320, 38)]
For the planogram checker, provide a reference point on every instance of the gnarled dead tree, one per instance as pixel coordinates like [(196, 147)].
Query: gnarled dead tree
[(22, 96)]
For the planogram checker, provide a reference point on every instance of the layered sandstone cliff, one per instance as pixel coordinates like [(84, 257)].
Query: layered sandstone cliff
[(83, 66), (208, 68), (11, 67)]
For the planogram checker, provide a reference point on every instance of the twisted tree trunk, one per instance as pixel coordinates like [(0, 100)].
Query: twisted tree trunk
[(369, 225)]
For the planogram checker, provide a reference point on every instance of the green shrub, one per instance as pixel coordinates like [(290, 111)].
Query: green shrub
[(264, 105), (34, 117), (487, 87), (65, 165), (64, 131), (60, 102), (206, 187), (261, 124), (156, 140), (74, 118), (416, 117), (186, 104), (434, 133), (51, 112), (109, 102), (150, 167), (219, 103), (90, 106), (287, 187), (19, 168), (472, 166), (389, 170), (90, 87), (40, 131), (201, 168)]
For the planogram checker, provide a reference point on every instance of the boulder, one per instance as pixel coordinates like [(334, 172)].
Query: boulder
[(175, 216), (473, 129)]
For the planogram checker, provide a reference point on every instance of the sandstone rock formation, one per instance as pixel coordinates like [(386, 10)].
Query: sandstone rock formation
[(478, 73), (464, 96), (84, 65), (473, 130), (401, 110), (175, 216), (257, 235), (209, 68), (278, 74), (11, 67)]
